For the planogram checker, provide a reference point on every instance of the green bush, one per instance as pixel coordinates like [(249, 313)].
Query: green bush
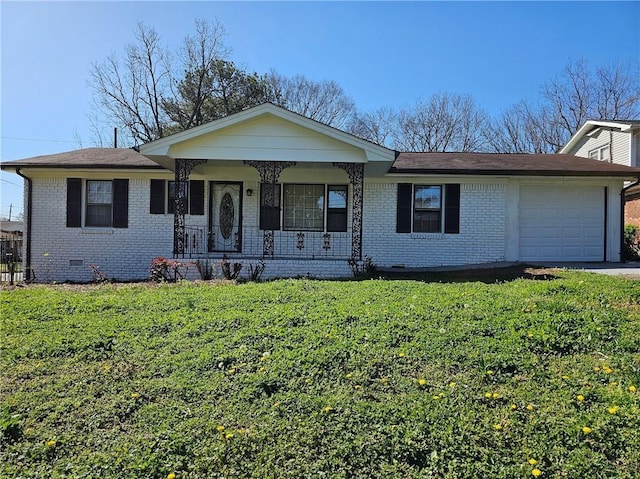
[(631, 251)]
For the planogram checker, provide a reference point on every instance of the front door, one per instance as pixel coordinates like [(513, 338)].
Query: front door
[(225, 217)]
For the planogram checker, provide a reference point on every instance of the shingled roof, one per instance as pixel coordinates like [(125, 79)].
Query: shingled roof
[(87, 158), (507, 164)]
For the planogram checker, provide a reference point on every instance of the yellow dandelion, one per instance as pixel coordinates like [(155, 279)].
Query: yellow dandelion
[(276, 404), (262, 370), (613, 409), (533, 462), (308, 380), (607, 370), (613, 384), (349, 375), (513, 407), (50, 443), (529, 407), (422, 382), (632, 389), (435, 397), (536, 472), (135, 395), (232, 371), (328, 409), (357, 386), (384, 380), (596, 368), (580, 397), (530, 335), (495, 395), (452, 385), (565, 377), (401, 354), (220, 428), (497, 427), (394, 426), (490, 372), (229, 435), (171, 475), (586, 430), (487, 395)]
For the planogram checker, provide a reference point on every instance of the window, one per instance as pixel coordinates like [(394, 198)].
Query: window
[(428, 208), (99, 203), (602, 153), (163, 194), (304, 207), (105, 203), (427, 213)]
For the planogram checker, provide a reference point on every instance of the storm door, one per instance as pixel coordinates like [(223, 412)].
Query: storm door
[(225, 217)]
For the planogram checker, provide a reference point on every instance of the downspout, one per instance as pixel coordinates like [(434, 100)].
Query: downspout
[(27, 252), (622, 204)]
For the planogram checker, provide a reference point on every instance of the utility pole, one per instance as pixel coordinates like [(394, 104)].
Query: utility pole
[(10, 208)]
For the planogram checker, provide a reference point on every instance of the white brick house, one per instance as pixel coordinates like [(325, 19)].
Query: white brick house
[(270, 184)]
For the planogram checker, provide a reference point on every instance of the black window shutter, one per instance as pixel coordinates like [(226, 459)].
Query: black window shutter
[(452, 208), (403, 219), (156, 201), (196, 197), (121, 203), (74, 202), (269, 215)]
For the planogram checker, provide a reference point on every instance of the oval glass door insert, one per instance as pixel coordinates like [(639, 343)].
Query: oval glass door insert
[(226, 216)]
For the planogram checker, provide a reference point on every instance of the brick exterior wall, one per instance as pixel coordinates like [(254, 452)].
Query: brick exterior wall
[(632, 212), (64, 254)]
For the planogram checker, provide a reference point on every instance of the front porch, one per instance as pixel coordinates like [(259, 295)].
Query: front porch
[(249, 242)]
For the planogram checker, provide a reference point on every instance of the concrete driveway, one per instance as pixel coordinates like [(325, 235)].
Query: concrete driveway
[(631, 269)]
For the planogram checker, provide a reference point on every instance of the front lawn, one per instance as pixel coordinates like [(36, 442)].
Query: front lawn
[(301, 378)]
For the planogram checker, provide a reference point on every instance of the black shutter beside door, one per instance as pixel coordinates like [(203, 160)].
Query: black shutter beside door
[(403, 218), (74, 202), (121, 203)]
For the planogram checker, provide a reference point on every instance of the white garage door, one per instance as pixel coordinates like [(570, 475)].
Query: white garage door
[(561, 223)]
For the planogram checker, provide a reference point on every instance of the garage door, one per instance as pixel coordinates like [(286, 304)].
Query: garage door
[(561, 223)]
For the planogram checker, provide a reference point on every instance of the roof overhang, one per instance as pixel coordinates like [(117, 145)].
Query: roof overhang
[(243, 140), (592, 125)]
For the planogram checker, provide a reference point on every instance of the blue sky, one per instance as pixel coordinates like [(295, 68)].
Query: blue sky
[(382, 53)]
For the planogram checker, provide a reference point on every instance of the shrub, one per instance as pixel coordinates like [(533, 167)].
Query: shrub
[(631, 250), (230, 270), (163, 269), (362, 269), (97, 276), (206, 269), (255, 272)]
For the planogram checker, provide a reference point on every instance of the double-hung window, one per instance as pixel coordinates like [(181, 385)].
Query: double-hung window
[(428, 208), (103, 203), (304, 207), (602, 153), (99, 203)]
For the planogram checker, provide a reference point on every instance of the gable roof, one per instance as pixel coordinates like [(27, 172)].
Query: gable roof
[(590, 125), (507, 164), (112, 158), (161, 147)]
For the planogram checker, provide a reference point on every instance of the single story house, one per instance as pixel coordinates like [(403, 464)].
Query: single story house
[(270, 184), (613, 141)]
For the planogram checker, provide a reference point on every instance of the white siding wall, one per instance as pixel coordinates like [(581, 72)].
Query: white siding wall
[(619, 144)]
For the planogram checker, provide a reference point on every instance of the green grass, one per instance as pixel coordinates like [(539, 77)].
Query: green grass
[(302, 378)]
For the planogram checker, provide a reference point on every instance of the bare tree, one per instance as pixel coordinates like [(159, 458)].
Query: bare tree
[(611, 92), (377, 126), (323, 101), (130, 91), (446, 122)]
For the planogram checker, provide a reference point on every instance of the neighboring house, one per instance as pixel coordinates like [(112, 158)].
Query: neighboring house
[(11, 233), (613, 141), (270, 184)]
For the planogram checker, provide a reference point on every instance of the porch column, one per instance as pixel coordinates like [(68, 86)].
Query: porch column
[(183, 170), (269, 172), (356, 178)]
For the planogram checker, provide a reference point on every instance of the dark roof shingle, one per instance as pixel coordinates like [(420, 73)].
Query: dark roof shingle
[(87, 158), (507, 164)]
